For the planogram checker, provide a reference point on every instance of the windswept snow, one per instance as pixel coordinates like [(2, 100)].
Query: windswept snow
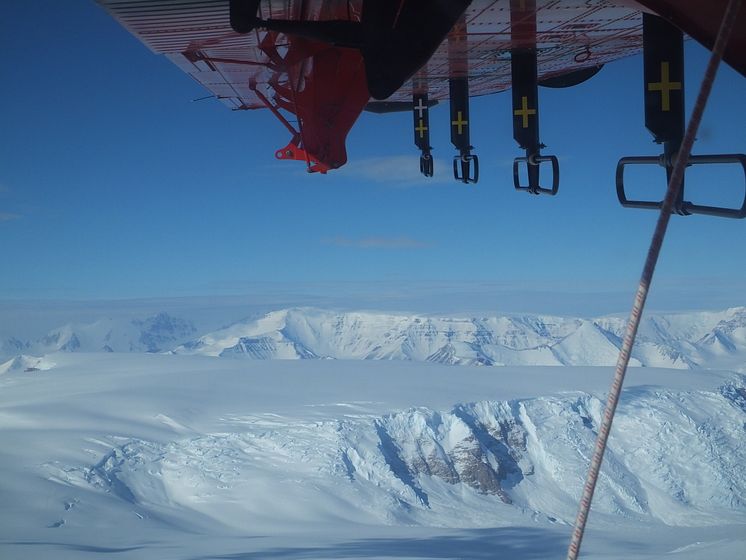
[(168, 456)]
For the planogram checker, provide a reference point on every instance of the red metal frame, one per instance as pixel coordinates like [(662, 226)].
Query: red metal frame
[(325, 86)]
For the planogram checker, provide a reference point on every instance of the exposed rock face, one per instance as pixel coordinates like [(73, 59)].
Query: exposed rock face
[(457, 447), (267, 348)]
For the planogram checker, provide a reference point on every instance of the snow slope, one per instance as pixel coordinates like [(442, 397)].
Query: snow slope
[(26, 364), (169, 456)]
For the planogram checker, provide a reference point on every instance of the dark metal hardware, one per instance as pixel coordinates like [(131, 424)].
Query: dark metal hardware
[(463, 170), (421, 114), (682, 207), (532, 168), (465, 164), (525, 95), (663, 61)]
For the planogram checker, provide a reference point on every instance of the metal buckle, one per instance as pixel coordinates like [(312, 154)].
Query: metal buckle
[(462, 169), (426, 165), (532, 166), (681, 207)]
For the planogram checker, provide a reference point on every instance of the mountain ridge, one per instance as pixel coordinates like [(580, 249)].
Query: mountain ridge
[(683, 341), (711, 339)]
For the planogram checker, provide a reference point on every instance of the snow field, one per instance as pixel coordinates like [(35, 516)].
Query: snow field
[(150, 450)]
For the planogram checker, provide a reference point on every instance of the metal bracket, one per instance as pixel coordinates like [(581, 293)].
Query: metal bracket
[(421, 114), (532, 167), (525, 99), (463, 170), (663, 61), (682, 207), (293, 151)]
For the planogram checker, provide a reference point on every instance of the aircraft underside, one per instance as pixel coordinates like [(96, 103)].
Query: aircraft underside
[(325, 62)]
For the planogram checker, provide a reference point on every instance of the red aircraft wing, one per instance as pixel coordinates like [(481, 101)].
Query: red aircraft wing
[(325, 85)]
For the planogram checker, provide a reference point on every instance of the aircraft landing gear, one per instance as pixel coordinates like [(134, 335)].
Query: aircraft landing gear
[(394, 38)]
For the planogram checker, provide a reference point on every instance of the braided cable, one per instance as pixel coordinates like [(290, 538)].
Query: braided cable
[(674, 186)]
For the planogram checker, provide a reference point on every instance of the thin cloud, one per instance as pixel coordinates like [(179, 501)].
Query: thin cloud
[(377, 242), (7, 216), (396, 170)]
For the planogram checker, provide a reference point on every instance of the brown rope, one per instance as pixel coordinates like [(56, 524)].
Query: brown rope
[(674, 186)]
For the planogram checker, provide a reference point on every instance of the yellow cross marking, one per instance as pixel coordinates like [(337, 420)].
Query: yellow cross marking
[(421, 128), (460, 123), (524, 111), (665, 87)]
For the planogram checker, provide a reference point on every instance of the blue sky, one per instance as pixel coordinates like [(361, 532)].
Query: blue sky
[(114, 184)]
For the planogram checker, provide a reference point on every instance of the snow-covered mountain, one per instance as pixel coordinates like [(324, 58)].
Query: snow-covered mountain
[(684, 341), (26, 364), (156, 333), (11, 345)]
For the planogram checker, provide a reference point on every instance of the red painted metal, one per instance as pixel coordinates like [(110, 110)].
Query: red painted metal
[(325, 86), (701, 21)]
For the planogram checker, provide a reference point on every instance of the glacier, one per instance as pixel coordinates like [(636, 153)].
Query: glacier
[(148, 455)]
